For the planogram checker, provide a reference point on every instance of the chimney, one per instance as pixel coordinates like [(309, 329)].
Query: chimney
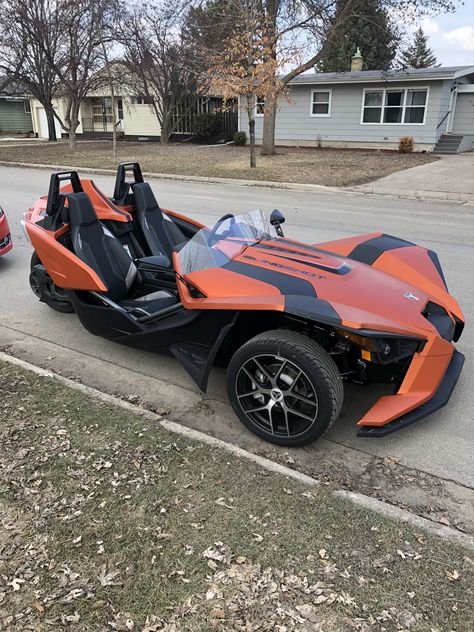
[(357, 61)]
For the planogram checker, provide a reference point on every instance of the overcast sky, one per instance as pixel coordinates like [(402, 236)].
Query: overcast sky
[(451, 36)]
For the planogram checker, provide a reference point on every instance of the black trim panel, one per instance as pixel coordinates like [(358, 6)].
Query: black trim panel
[(286, 283), (344, 268), (315, 309), (369, 251), (439, 399), (435, 261)]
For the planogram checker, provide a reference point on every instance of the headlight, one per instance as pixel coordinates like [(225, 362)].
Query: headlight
[(382, 348)]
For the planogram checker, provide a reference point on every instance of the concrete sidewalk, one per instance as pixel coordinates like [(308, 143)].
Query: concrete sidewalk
[(449, 179)]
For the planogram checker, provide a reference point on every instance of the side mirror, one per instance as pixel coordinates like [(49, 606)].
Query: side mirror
[(276, 219)]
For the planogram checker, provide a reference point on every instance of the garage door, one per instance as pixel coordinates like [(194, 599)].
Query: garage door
[(43, 124)]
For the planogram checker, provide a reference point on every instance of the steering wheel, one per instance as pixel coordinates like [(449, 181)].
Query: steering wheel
[(213, 238)]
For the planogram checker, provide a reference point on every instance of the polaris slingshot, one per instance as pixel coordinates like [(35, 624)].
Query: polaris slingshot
[(288, 320)]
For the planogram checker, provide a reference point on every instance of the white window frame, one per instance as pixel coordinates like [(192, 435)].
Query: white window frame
[(27, 106), (403, 106), (311, 103), (257, 101)]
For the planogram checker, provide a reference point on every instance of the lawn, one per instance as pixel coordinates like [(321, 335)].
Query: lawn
[(109, 522), (308, 166)]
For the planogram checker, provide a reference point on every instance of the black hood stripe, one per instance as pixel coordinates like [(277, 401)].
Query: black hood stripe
[(369, 251), (434, 259), (343, 269), (286, 283)]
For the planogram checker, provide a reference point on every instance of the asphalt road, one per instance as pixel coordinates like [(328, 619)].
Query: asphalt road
[(442, 444)]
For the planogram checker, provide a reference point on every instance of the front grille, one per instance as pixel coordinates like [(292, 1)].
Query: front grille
[(440, 319), (5, 241)]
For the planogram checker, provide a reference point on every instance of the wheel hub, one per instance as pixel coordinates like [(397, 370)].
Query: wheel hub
[(277, 395)]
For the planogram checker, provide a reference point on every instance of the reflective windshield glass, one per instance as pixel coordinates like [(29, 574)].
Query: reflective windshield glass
[(214, 247)]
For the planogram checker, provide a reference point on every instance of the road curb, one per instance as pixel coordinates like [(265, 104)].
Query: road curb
[(411, 194), (295, 186), (418, 194), (373, 504)]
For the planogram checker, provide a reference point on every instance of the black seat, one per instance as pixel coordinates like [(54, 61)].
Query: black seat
[(94, 244), (161, 236)]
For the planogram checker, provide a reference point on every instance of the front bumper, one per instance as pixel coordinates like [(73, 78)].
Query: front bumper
[(437, 401)]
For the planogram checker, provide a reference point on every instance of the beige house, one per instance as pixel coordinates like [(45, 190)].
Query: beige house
[(134, 117)]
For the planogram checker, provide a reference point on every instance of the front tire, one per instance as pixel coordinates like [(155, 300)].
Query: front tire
[(284, 387)]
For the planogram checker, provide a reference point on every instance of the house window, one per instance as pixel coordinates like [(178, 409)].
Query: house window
[(120, 108), (141, 100), (399, 106), (260, 106), (27, 106), (393, 106), (415, 106), (373, 101), (321, 102)]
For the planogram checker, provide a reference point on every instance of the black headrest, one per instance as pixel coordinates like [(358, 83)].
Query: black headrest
[(144, 197), (81, 211)]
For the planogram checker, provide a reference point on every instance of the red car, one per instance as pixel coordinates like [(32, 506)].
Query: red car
[(5, 236)]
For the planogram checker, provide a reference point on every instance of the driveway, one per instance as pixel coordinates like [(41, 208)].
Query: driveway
[(440, 446), (450, 178)]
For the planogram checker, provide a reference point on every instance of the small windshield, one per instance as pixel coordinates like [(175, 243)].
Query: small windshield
[(214, 247)]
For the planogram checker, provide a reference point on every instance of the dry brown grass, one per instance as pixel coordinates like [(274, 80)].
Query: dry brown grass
[(307, 166), (109, 522)]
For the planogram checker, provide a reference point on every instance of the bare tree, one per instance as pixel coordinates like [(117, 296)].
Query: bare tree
[(160, 61), (107, 38), (80, 56), (29, 41), (247, 66)]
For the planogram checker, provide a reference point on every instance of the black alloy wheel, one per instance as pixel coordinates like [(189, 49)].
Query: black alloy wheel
[(284, 387)]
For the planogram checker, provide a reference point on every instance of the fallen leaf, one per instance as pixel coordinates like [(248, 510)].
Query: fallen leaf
[(453, 575), (218, 613)]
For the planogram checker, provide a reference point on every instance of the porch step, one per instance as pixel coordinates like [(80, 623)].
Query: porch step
[(448, 144)]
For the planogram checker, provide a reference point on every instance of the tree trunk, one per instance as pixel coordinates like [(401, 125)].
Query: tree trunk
[(251, 115), (165, 131), (269, 117), (73, 124), (112, 99), (72, 137), (51, 123), (114, 124)]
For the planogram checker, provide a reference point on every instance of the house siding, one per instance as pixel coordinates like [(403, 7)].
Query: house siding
[(294, 123), (13, 117), (463, 122), (139, 120)]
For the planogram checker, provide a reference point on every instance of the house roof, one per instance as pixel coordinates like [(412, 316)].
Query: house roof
[(10, 89), (372, 76)]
